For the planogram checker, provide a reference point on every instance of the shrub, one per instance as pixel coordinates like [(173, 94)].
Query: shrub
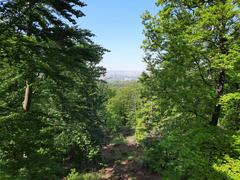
[(74, 175), (195, 151)]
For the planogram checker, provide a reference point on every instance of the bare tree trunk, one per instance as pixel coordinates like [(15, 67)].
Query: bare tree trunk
[(27, 98)]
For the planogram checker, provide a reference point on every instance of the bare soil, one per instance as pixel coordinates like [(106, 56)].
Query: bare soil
[(122, 162)]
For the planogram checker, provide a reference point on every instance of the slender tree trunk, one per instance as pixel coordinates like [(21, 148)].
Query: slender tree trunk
[(219, 92), (27, 97)]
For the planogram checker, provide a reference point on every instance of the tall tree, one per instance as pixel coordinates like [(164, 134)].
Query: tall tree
[(40, 44), (192, 55), (190, 51)]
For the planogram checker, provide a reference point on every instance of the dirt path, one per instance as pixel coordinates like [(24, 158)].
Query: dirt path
[(122, 162)]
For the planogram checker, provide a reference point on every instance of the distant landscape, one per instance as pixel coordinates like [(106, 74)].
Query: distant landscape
[(121, 75)]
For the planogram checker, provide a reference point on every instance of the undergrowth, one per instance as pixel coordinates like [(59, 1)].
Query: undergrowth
[(194, 151)]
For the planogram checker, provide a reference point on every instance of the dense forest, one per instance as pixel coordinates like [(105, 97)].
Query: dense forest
[(60, 120)]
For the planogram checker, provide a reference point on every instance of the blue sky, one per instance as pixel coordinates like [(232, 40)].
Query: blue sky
[(118, 28)]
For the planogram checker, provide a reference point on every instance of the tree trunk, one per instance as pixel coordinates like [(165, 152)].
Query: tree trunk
[(27, 98), (219, 92)]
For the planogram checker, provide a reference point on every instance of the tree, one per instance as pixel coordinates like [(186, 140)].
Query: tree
[(192, 80), (191, 49), (62, 128), (122, 106)]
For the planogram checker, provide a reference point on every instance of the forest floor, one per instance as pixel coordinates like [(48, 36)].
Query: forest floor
[(123, 162)]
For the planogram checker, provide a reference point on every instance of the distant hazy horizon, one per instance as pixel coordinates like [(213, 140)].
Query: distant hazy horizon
[(122, 75), (124, 70)]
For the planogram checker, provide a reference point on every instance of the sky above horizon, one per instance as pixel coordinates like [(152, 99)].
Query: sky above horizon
[(118, 28)]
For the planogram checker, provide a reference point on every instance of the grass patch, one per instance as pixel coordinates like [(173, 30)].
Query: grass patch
[(74, 175)]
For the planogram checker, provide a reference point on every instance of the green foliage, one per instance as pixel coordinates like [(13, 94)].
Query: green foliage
[(192, 79), (194, 150), (231, 105), (122, 106), (147, 121), (118, 140), (63, 128), (192, 51), (74, 175)]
